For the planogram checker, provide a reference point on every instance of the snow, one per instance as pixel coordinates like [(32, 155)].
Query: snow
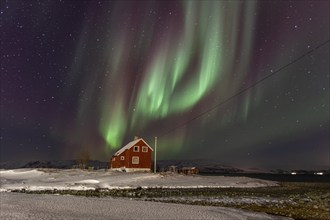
[(20, 173), (76, 179), (131, 144), (89, 181), (32, 206)]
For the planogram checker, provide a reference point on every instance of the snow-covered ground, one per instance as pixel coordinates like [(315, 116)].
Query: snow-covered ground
[(35, 206), (31, 206), (76, 179)]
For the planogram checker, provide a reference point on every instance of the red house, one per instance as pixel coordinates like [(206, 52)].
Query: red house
[(135, 156)]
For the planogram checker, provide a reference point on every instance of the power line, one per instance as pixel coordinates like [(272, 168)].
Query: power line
[(245, 89)]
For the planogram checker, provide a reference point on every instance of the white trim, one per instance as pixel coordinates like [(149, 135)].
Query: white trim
[(131, 144), (135, 160), (122, 157), (138, 149), (144, 149)]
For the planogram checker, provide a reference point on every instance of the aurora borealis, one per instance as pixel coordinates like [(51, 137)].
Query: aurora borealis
[(81, 76)]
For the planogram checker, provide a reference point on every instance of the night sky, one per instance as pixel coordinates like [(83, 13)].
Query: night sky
[(88, 76)]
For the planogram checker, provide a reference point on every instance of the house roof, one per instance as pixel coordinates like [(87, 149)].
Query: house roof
[(129, 145)]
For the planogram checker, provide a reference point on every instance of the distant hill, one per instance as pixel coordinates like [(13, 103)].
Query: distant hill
[(215, 167), (204, 166), (59, 164), (207, 166)]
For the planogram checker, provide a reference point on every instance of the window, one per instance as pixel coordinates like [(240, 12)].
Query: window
[(136, 149), (144, 149), (135, 160), (122, 158), (114, 159)]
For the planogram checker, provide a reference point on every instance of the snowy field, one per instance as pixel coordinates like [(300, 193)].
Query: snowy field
[(76, 179), (36, 206), (31, 206)]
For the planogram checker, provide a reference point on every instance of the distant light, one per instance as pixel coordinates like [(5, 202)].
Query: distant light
[(293, 173), (319, 173)]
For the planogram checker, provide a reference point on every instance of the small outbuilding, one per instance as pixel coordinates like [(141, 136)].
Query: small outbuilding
[(188, 170), (135, 156)]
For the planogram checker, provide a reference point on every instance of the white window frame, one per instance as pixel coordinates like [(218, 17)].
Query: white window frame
[(122, 158), (135, 160), (144, 149), (138, 149)]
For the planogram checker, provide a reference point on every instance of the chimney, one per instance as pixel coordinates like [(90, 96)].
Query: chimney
[(136, 137)]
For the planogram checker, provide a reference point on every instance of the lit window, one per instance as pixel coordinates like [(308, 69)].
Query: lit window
[(135, 160), (122, 158), (144, 149), (136, 149)]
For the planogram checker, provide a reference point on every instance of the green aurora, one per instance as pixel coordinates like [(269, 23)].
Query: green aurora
[(88, 76), (184, 68)]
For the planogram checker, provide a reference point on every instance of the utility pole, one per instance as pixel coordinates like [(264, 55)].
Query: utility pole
[(155, 156)]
